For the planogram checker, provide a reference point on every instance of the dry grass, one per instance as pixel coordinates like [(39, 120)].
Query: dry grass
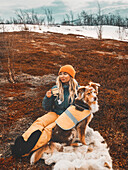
[(36, 55)]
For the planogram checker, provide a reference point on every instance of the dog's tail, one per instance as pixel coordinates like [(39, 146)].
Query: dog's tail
[(38, 154), (48, 148)]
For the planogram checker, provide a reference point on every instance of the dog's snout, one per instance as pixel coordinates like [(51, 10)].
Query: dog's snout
[(95, 98)]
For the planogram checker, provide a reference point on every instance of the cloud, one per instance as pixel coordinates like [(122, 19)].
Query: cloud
[(72, 4), (81, 4), (8, 8), (25, 3)]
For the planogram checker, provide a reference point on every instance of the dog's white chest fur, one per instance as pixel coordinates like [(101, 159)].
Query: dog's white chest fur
[(94, 107)]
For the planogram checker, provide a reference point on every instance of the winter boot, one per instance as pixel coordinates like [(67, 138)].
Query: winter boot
[(22, 147)]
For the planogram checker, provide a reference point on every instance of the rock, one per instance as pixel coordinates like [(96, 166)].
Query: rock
[(36, 80)]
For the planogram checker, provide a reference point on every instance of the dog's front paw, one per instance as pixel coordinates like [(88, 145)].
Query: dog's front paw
[(76, 144), (84, 143), (83, 140), (79, 144)]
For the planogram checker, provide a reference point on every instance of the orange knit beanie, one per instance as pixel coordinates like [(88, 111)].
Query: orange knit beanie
[(68, 69)]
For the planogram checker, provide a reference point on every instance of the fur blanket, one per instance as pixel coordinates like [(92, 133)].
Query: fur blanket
[(95, 155)]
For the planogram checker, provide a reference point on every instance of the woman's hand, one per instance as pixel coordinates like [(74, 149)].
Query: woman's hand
[(49, 93)]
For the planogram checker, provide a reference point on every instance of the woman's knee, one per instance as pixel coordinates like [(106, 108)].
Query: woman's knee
[(47, 118)]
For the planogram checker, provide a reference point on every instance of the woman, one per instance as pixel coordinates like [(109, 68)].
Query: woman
[(56, 101)]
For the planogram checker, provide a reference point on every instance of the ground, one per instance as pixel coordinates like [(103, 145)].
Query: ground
[(29, 64)]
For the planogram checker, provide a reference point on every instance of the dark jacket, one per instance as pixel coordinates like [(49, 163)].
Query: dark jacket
[(54, 104)]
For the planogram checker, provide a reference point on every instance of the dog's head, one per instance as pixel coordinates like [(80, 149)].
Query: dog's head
[(88, 93)]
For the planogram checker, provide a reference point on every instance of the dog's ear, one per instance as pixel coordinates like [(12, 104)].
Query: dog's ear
[(80, 92), (94, 85)]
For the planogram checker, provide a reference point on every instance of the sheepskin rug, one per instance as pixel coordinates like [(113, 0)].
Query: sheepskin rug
[(94, 156)]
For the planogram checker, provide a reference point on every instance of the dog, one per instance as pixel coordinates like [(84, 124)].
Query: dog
[(86, 100)]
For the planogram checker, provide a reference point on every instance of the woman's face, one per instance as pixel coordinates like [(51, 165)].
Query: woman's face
[(64, 77)]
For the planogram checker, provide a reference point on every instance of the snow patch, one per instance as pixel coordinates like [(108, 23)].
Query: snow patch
[(108, 32)]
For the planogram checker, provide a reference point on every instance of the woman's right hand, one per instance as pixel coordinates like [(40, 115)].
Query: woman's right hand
[(49, 93)]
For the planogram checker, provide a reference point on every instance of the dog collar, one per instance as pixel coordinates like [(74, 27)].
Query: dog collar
[(81, 107)]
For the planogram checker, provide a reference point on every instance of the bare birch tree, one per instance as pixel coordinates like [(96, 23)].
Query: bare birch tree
[(49, 16), (8, 53), (99, 22)]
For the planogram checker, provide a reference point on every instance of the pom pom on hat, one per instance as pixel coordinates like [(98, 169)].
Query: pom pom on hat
[(68, 69)]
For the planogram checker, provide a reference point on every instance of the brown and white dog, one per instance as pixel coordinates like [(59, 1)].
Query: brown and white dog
[(86, 99)]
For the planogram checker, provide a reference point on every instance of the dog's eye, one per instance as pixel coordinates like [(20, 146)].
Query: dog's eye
[(88, 93)]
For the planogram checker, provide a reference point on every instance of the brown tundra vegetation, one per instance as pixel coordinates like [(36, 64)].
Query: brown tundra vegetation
[(29, 64)]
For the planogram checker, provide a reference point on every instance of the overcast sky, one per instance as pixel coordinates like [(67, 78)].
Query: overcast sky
[(8, 7)]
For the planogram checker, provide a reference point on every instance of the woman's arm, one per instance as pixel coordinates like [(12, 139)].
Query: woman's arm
[(48, 100), (47, 103)]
